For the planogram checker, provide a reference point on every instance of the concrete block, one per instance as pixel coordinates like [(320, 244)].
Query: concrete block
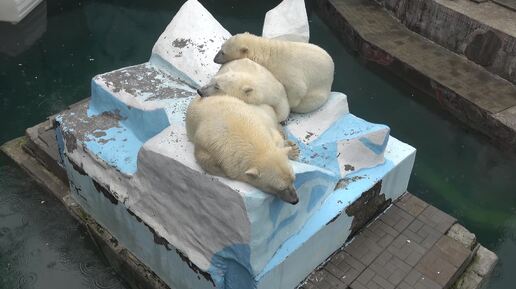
[(189, 44), (287, 21), (463, 236), (132, 168)]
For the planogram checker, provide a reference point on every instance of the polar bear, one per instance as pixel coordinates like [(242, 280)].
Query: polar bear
[(240, 141), (250, 82), (305, 70)]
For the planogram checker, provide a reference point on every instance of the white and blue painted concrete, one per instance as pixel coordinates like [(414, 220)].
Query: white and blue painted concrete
[(132, 169)]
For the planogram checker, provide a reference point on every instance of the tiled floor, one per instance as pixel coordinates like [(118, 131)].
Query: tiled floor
[(406, 247)]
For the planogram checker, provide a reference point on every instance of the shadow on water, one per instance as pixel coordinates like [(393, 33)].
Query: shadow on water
[(42, 247)]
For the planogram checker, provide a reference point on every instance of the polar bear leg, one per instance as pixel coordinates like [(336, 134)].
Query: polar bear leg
[(296, 90), (282, 109), (207, 162), (312, 101), (294, 152)]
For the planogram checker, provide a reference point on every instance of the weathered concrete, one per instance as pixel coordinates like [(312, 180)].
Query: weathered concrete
[(480, 99), (484, 32), (406, 245), (509, 4), (405, 248)]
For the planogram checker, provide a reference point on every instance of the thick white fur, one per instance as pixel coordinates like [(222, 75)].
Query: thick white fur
[(305, 70), (250, 82), (241, 141)]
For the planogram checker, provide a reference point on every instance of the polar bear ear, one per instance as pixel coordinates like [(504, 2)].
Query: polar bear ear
[(247, 89), (253, 173)]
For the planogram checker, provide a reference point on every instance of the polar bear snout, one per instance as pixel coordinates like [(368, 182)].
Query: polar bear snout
[(289, 195), (208, 90), (219, 58)]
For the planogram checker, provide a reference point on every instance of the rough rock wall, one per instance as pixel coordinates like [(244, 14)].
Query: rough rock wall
[(490, 48)]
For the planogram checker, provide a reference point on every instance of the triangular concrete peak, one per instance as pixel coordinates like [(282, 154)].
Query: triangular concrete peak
[(189, 44), (287, 21)]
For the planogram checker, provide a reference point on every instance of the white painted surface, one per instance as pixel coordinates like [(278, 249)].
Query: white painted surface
[(189, 44), (309, 126), (287, 21)]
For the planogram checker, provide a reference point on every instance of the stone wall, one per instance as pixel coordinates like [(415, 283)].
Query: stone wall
[(489, 47)]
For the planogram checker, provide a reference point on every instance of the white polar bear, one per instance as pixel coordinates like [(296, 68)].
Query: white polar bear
[(250, 82), (305, 70), (240, 141)]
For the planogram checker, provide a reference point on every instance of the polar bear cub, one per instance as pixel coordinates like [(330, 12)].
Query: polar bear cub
[(250, 82), (241, 141), (305, 70)]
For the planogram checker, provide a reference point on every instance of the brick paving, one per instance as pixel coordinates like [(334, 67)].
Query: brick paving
[(404, 248)]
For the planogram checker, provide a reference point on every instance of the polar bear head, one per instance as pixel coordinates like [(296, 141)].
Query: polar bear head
[(236, 47), (240, 85), (273, 174)]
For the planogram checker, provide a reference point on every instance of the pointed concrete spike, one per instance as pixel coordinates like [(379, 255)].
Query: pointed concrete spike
[(287, 21), (189, 44)]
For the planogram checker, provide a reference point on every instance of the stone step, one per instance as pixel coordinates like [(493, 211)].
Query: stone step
[(480, 99)]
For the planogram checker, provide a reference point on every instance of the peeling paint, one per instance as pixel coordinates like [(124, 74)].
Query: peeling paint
[(105, 192), (194, 268), (369, 205)]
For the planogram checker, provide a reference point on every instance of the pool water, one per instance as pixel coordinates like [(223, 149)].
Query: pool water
[(41, 246)]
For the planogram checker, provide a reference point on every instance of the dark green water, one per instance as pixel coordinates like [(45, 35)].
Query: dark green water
[(42, 247)]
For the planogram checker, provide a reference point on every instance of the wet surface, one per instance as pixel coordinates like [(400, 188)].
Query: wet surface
[(42, 247)]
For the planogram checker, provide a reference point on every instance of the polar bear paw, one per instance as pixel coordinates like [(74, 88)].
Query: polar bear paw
[(294, 152)]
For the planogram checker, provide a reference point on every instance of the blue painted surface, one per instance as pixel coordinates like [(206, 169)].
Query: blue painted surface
[(118, 147), (144, 124), (231, 268), (315, 196), (376, 148), (334, 205), (347, 127)]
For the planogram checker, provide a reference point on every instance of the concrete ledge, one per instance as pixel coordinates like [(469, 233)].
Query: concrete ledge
[(485, 33), (478, 98)]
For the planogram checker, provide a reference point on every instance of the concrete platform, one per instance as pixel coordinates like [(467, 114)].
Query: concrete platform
[(483, 101), (411, 245)]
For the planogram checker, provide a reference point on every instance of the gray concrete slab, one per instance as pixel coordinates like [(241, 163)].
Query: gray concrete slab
[(509, 4)]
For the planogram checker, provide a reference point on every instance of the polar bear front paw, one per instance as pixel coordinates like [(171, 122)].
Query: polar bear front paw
[(294, 152)]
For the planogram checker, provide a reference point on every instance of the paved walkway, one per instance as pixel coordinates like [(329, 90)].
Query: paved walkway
[(405, 248), (480, 99)]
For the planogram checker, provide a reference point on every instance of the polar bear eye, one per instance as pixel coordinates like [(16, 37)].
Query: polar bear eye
[(217, 87)]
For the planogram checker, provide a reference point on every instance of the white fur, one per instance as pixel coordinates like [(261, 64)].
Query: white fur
[(305, 70), (240, 141), (250, 82)]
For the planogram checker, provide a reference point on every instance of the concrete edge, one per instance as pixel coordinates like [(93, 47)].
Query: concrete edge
[(481, 264)]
